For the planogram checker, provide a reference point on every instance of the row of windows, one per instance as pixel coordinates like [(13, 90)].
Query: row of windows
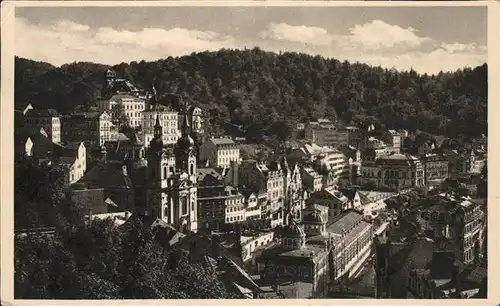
[(234, 209), (472, 226), (234, 219), (133, 114), (163, 117), (224, 160), (151, 124), (389, 173), (134, 106), (275, 184), (228, 152)]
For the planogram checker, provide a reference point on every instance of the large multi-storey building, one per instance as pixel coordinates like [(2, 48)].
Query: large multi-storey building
[(218, 203), (93, 128), (351, 240), (297, 269), (325, 164), (335, 164), (132, 107), (36, 119), (220, 152), (122, 92), (262, 180), (315, 252), (324, 133), (168, 119), (311, 179), (458, 220), (394, 171)]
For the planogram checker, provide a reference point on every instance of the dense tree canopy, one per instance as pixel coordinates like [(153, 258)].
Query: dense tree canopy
[(254, 93), (101, 261), (40, 198)]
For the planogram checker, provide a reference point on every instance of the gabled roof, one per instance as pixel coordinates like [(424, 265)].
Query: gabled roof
[(107, 175), (316, 207), (222, 141), (350, 193), (204, 172), (42, 113), (343, 221)]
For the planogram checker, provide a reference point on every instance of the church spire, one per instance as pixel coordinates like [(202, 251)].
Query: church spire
[(185, 128), (158, 129)]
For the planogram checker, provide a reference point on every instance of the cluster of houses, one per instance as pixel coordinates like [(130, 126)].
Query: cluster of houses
[(167, 170)]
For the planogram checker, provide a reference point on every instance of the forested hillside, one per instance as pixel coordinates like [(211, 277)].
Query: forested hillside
[(254, 93)]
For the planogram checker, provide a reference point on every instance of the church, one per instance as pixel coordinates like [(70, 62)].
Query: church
[(158, 181), (171, 193)]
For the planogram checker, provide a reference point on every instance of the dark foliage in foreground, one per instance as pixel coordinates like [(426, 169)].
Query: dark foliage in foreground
[(94, 260)]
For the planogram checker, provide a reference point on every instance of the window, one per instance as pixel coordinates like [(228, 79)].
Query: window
[(184, 206), (164, 172)]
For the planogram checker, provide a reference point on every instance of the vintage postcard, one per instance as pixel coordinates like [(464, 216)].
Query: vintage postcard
[(247, 150)]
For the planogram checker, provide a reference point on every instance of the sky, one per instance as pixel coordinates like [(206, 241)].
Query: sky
[(427, 39)]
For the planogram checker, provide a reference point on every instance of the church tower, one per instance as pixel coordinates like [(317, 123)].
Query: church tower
[(161, 170), (184, 195), (185, 153), (109, 81)]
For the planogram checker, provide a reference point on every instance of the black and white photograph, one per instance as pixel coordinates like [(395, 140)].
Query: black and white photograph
[(250, 152)]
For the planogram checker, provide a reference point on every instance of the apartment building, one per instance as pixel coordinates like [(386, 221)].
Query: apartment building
[(92, 128), (220, 152), (325, 133), (36, 119), (133, 107), (168, 119)]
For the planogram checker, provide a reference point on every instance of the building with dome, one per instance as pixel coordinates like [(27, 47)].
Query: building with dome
[(317, 251), (294, 267)]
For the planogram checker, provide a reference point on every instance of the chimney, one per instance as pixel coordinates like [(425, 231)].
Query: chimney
[(234, 173)]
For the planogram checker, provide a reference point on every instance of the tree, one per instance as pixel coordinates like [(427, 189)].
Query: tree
[(97, 260), (119, 116), (254, 89), (40, 198)]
